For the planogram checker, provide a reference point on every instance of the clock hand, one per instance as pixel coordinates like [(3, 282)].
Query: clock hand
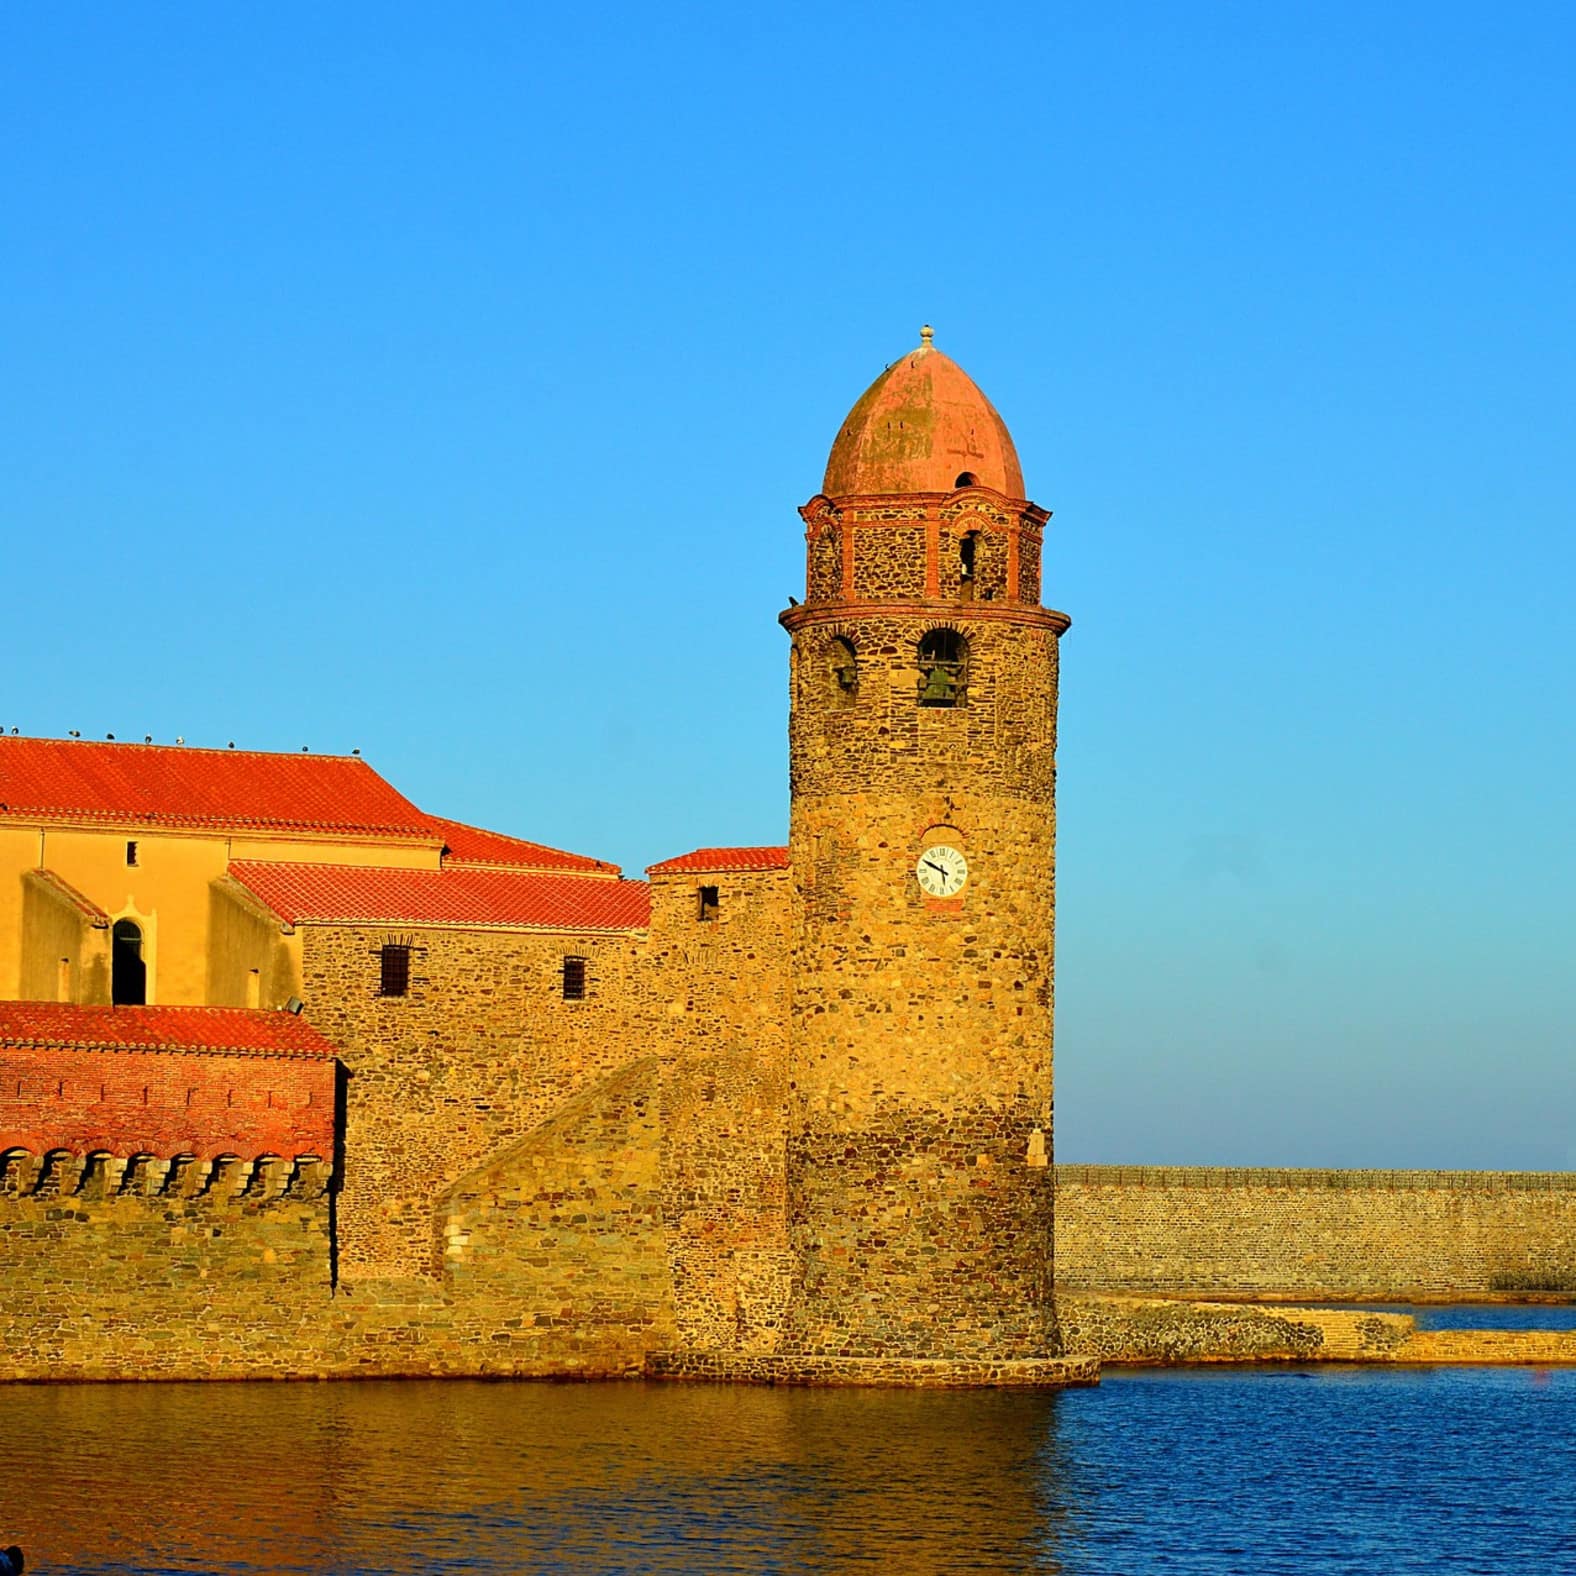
[(939, 869)]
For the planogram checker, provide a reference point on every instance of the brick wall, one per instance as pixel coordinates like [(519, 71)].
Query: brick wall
[(1217, 1232), (165, 1103)]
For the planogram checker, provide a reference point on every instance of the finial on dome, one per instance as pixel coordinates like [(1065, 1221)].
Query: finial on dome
[(927, 337)]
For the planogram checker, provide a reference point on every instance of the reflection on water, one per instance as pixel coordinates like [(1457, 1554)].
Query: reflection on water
[(1221, 1471)]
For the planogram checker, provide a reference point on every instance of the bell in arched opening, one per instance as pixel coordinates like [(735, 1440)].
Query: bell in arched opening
[(843, 661), (943, 668)]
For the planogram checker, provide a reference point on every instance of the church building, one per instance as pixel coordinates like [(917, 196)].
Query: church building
[(422, 1097)]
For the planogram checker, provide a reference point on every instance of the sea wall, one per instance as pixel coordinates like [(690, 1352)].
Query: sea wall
[(1220, 1232), (550, 1260)]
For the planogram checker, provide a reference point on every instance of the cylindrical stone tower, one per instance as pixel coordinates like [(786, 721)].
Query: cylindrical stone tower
[(923, 748)]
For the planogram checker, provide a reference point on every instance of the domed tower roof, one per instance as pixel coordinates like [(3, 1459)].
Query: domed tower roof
[(922, 426)]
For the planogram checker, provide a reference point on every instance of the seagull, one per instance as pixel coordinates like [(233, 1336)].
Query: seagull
[(180, 738), (76, 733)]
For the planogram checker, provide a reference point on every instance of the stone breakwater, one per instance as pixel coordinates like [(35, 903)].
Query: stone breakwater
[(1151, 1331)]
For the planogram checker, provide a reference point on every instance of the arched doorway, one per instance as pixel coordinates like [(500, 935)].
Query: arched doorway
[(128, 968)]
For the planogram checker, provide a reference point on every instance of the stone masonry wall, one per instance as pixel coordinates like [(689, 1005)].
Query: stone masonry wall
[(1338, 1235), (161, 1272), (551, 1260), (721, 987), (479, 1053), (920, 1202)]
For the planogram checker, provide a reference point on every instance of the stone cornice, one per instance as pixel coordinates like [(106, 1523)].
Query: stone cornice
[(822, 504), (794, 619)]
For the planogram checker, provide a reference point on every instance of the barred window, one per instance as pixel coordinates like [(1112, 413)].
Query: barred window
[(394, 970), (574, 979)]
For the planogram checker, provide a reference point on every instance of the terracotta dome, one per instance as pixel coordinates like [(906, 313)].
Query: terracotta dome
[(923, 426)]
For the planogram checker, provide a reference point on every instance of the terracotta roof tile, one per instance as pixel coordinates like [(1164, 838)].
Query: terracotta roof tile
[(473, 845), (235, 1030), (705, 860), (150, 784), (467, 896)]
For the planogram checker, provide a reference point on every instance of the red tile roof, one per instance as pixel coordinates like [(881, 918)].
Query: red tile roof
[(706, 860), (467, 896), (472, 845), (164, 1081), (154, 785), (238, 1031)]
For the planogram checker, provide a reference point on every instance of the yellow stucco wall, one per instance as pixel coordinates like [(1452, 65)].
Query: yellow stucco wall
[(166, 893), (252, 960)]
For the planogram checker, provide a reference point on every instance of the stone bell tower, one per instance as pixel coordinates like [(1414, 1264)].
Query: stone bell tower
[(923, 769)]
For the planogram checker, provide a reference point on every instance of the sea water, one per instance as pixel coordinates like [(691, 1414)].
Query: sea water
[(1274, 1469)]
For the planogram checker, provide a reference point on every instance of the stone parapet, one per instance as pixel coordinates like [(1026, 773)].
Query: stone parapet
[(1271, 1234)]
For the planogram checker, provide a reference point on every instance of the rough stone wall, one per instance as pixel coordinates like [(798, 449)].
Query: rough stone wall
[(562, 1235), (1378, 1235), (721, 988), (550, 1260), (477, 1055), (824, 570), (920, 1204), (1030, 539), (158, 1275), (883, 558)]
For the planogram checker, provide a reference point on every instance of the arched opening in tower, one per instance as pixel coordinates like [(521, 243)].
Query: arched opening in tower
[(943, 668)]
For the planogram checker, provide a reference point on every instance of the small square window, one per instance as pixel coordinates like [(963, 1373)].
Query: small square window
[(574, 979), (131, 853), (708, 902), (394, 971)]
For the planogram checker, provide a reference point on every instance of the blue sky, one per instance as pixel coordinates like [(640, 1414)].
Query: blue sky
[(443, 382)]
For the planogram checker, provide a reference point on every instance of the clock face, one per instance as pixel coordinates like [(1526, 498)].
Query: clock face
[(941, 871)]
